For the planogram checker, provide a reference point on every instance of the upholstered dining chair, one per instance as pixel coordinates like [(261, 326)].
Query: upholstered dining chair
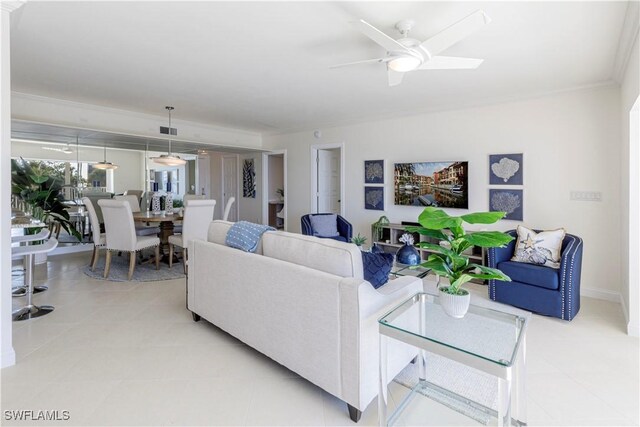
[(342, 227), (137, 193), (188, 197), (99, 239), (227, 208), (198, 214), (94, 197), (121, 234), (141, 230)]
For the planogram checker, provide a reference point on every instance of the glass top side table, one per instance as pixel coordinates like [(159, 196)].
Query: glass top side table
[(489, 340)]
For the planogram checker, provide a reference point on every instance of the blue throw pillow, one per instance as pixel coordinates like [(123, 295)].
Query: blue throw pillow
[(324, 225), (376, 268)]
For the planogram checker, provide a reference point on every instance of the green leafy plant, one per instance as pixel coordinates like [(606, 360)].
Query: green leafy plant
[(280, 192), (378, 227), (178, 203), (359, 240), (448, 260), (41, 193)]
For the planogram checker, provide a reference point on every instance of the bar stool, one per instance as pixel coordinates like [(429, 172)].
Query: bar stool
[(20, 291), (29, 311)]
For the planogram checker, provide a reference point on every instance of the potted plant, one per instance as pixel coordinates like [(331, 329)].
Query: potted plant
[(280, 193), (41, 194), (378, 227), (448, 259), (359, 240)]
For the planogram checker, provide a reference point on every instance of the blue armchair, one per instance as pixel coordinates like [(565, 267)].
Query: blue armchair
[(344, 227), (542, 290)]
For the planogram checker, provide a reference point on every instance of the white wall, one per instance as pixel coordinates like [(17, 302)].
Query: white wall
[(570, 142), (630, 188), (86, 116), (128, 176)]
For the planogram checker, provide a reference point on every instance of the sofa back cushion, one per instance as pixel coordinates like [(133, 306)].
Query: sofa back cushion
[(218, 230), (330, 256)]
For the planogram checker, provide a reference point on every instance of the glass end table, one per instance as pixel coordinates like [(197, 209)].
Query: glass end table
[(485, 339), (399, 270)]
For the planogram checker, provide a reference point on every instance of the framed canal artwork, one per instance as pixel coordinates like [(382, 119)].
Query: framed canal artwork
[(438, 184)]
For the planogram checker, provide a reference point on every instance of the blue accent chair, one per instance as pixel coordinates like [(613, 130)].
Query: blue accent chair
[(344, 227), (542, 290)]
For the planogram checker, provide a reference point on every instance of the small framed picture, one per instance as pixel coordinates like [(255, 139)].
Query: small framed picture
[(506, 169), (374, 171), (509, 201), (374, 198)]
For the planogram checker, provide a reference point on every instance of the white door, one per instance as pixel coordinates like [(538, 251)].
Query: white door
[(230, 185), (203, 181), (329, 181)]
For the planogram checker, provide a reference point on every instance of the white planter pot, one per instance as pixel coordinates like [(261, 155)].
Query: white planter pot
[(454, 305)]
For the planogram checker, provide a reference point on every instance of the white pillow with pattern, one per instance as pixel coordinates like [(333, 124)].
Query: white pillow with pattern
[(539, 248)]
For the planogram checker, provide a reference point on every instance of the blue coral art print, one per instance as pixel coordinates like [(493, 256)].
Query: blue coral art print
[(374, 171), (509, 201), (374, 198)]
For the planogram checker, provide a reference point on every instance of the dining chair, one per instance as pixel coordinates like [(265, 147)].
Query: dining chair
[(227, 208), (30, 310), (141, 230), (121, 234), (198, 214), (137, 193), (99, 239), (188, 197)]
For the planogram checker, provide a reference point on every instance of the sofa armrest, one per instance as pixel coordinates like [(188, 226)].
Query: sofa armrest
[(360, 308), (497, 255), (570, 275)]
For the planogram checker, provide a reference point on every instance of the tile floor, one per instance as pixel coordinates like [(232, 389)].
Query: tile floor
[(129, 354)]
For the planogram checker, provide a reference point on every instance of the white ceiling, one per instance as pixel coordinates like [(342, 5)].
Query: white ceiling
[(264, 65)]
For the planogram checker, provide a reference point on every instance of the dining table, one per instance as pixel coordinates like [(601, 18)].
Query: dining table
[(166, 222)]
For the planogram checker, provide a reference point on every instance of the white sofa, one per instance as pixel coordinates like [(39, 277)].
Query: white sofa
[(303, 302)]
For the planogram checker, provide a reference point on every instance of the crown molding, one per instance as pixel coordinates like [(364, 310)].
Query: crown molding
[(10, 6), (628, 36)]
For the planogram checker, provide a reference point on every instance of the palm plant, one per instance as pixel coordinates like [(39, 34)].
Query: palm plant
[(448, 259), (41, 193)]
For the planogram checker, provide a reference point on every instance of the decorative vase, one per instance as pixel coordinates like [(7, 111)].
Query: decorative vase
[(168, 203), (408, 255), (155, 203), (454, 305)]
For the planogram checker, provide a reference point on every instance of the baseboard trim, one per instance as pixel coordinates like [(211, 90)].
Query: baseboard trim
[(8, 358), (602, 295), (633, 330), (625, 310)]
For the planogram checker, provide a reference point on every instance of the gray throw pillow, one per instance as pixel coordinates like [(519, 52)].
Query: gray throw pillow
[(325, 225)]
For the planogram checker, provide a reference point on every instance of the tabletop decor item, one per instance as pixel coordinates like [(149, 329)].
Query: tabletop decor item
[(359, 240), (378, 227), (41, 194), (451, 262), (407, 254)]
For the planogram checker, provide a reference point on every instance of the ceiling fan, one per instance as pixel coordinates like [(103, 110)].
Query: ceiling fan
[(407, 54), (65, 150)]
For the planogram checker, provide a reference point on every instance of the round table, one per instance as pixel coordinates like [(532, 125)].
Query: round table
[(166, 227)]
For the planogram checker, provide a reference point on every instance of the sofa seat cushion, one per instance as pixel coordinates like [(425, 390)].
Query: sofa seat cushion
[(376, 267), (338, 238), (535, 275)]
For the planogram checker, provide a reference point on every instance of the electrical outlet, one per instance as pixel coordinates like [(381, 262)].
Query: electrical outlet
[(586, 196)]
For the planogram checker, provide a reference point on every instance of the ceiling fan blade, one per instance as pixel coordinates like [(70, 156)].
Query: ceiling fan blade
[(451, 63), (379, 37), (365, 61), (395, 78), (456, 32)]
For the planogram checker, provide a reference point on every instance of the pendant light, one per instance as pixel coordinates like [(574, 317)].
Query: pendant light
[(104, 164), (169, 159)]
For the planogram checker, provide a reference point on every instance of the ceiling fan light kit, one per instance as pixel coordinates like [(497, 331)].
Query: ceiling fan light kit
[(407, 54), (169, 159)]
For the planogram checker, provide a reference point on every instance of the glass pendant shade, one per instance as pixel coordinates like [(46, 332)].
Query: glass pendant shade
[(169, 159), (104, 164)]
